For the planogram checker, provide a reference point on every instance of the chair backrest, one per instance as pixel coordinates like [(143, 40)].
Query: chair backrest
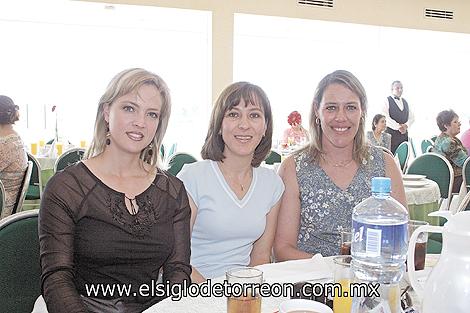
[(464, 204), (433, 139), (24, 188), (403, 153), (178, 160), (172, 150), (437, 168), (2, 197), (425, 144), (69, 157), (19, 262), (466, 174), (36, 179), (273, 157)]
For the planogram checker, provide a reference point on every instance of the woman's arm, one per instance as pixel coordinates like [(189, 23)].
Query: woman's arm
[(392, 171), (56, 240), (196, 277), (262, 248), (177, 269), (287, 232)]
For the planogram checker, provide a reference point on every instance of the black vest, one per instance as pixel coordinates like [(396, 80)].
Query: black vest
[(399, 116)]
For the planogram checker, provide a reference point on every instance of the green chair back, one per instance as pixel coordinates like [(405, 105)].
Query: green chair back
[(425, 144), (178, 160), (2, 197), (273, 157), (403, 153), (19, 262), (162, 151), (68, 158), (35, 183), (24, 188), (437, 168), (466, 174), (433, 139), (413, 149)]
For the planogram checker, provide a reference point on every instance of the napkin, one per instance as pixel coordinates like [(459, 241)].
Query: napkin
[(297, 270)]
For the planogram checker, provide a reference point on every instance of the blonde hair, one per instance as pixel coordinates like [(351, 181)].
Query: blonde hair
[(124, 83), (315, 147)]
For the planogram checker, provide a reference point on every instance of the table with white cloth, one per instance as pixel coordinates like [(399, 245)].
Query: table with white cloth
[(422, 198)]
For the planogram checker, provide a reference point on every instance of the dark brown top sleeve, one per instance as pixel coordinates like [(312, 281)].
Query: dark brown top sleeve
[(57, 218)]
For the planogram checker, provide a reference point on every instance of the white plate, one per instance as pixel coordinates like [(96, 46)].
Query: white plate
[(415, 183), (413, 177)]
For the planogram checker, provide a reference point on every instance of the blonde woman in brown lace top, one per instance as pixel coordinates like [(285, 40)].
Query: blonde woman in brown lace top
[(13, 159)]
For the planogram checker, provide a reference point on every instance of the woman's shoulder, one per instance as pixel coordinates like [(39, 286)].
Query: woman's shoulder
[(199, 167)]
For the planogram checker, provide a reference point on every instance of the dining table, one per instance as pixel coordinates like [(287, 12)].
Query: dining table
[(317, 269), (422, 198)]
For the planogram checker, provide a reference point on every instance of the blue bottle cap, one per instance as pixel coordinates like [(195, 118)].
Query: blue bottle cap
[(381, 184)]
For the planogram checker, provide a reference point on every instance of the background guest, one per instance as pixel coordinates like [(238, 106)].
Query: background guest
[(450, 146), (115, 219), (326, 179), (13, 158), (296, 131), (234, 202), (377, 136), (398, 114)]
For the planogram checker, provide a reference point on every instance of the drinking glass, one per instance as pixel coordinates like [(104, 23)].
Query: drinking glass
[(421, 243), (59, 146), (34, 148), (343, 276), (346, 237), (82, 143), (245, 278), (42, 143)]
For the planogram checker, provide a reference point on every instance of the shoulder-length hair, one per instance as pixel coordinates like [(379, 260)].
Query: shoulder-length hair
[(213, 148), (376, 119), (315, 147), (122, 84)]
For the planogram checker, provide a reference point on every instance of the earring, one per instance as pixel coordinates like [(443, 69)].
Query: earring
[(150, 150), (108, 135), (317, 121)]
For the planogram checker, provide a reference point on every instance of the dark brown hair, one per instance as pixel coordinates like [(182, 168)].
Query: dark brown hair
[(445, 118), (376, 119), (213, 148), (8, 111)]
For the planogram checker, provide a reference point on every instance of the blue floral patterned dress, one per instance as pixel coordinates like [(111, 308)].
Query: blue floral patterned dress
[(325, 208)]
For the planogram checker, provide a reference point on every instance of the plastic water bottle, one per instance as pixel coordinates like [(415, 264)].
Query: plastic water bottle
[(380, 236)]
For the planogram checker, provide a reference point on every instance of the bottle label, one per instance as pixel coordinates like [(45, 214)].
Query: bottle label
[(375, 240)]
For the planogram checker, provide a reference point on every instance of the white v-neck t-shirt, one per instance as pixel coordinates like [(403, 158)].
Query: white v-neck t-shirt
[(226, 227)]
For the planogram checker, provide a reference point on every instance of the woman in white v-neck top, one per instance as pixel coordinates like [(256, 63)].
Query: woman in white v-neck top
[(234, 202)]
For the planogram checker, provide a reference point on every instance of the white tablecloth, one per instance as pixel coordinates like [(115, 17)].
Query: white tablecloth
[(425, 194)]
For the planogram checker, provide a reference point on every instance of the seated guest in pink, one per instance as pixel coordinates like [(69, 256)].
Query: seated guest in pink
[(13, 159), (298, 134), (116, 219), (465, 139), (449, 145)]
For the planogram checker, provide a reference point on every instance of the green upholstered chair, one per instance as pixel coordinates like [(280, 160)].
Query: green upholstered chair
[(69, 157), (433, 138), (178, 160), (437, 168), (403, 154), (466, 174), (35, 184), (273, 157), (19, 262), (425, 144), (2, 197), (162, 151), (24, 188)]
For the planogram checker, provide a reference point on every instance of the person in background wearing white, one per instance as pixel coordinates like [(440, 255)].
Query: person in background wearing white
[(328, 178), (234, 201), (399, 115), (13, 159)]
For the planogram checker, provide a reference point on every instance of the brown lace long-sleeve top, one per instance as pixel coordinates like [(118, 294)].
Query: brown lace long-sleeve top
[(87, 236)]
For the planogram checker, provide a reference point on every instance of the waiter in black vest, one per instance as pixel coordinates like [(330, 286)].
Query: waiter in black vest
[(398, 114)]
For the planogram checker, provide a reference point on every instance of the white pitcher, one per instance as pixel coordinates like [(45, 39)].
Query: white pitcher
[(447, 290)]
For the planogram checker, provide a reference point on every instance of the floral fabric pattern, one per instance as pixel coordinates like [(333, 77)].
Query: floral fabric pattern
[(453, 150), (326, 209)]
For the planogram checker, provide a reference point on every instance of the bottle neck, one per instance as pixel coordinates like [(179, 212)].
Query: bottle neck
[(381, 195)]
